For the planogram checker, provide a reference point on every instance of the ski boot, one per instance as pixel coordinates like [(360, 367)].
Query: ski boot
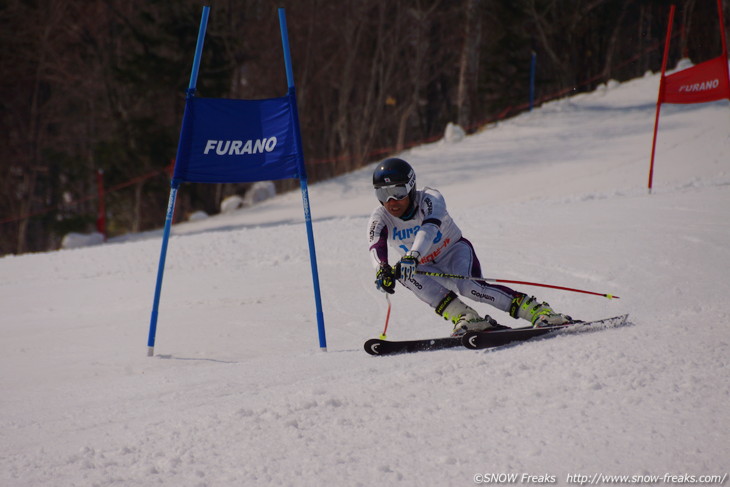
[(463, 317), (539, 314)]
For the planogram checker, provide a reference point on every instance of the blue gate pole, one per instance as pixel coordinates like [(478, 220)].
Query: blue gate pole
[(174, 185), (533, 62), (303, 180)]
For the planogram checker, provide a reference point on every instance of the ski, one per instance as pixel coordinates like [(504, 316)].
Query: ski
[(376, 346), (476, 340), (480, 340)]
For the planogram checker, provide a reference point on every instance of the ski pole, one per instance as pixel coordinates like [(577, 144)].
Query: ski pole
[(387, 318), (505, 281)]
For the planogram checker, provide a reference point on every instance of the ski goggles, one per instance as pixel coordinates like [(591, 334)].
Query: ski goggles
[(387, 193)]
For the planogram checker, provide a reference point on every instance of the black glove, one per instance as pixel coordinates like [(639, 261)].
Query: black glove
[(385, 278)]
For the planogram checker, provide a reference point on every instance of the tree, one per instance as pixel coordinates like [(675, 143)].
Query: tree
[(100, 84)]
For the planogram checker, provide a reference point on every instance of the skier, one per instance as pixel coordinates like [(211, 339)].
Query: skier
[(417, 224)]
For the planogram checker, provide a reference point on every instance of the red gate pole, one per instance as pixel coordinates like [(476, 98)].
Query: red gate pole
[(660, 98), (101, 206), (722, 27)]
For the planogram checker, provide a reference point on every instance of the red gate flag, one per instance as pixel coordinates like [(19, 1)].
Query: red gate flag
[(704, 82)]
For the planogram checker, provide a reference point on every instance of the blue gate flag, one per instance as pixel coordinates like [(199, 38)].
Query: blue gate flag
[(232, 141), (237, 141)]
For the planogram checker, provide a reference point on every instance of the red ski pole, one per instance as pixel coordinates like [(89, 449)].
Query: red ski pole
[(387, 318), (506, 281)]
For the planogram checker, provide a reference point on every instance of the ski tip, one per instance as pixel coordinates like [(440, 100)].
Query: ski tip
[(468, 340), (372, 346)]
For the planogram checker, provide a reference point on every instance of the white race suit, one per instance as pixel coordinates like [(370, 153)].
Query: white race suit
[(429, 230)]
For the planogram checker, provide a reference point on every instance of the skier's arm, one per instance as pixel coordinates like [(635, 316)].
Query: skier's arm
[(433, 208), (422, 243), (378, 240), (425, 237)]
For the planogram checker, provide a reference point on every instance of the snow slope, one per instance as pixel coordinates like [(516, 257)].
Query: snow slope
[(240, 394)]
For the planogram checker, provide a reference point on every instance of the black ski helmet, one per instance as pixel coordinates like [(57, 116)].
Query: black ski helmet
[(395, 172)]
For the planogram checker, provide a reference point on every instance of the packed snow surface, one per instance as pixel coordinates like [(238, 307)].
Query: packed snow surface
[(239, 392)]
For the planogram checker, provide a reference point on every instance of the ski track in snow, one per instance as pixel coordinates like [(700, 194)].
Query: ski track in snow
[(239, 393)]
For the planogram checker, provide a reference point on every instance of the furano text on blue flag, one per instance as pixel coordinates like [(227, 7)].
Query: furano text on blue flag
[(239, 147)]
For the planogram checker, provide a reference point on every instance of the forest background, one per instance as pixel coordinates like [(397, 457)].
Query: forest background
[(97, 87)]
